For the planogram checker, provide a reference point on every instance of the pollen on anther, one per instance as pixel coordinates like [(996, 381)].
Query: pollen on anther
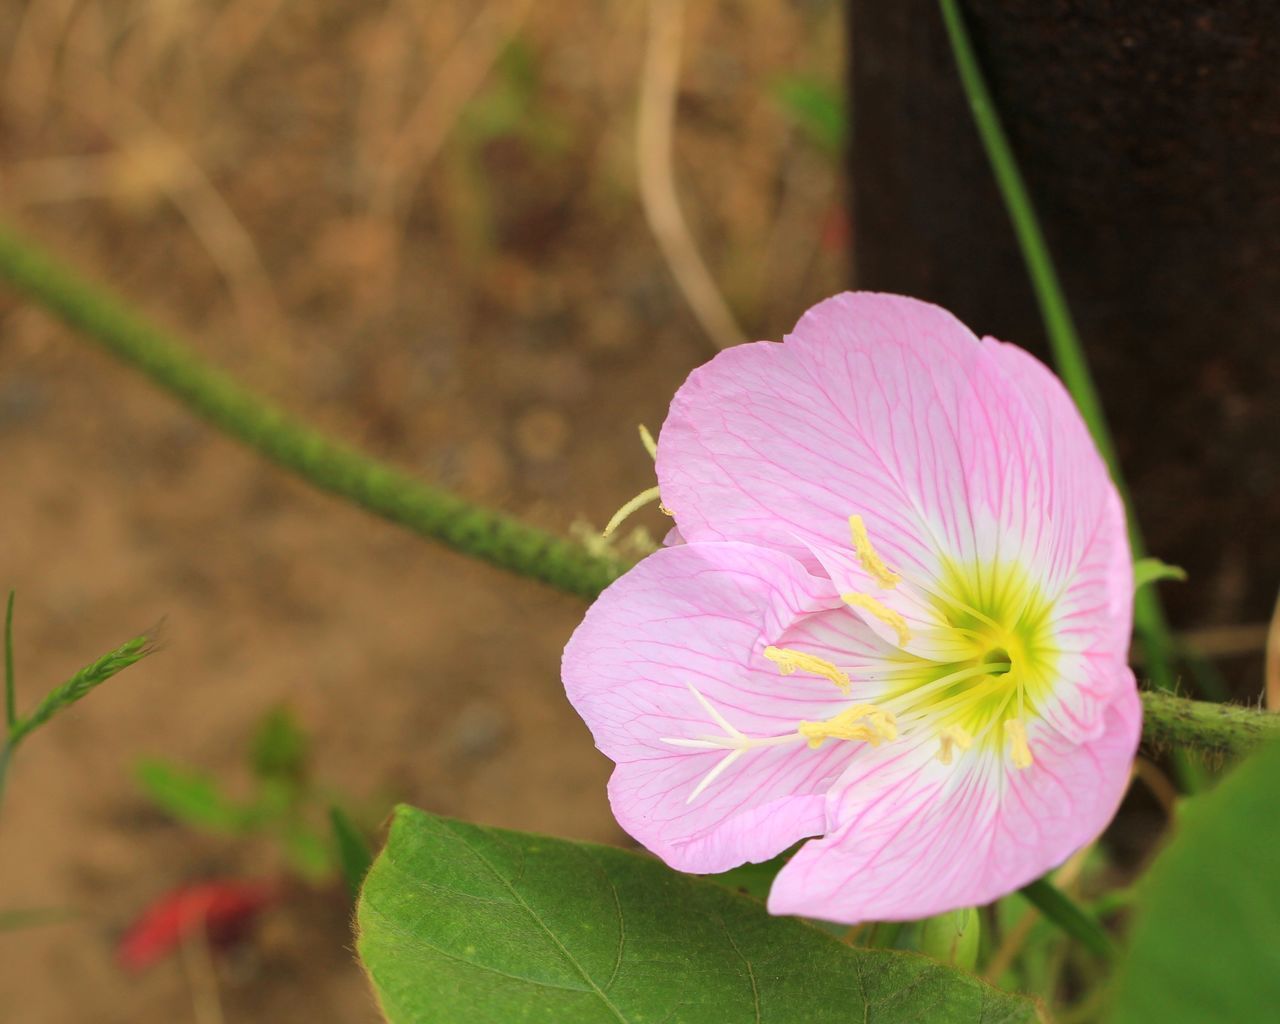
[(789, 661), (864, 722), (951, 739), (886, 615), (1019, 750), (868, 556)]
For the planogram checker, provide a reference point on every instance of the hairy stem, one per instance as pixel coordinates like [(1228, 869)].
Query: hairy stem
[(328, 464), (1170, 722)]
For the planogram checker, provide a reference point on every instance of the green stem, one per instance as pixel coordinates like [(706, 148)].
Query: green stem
[(10, 683), (326, 463), (1064, 339), (1070, 917), (1209, 728)]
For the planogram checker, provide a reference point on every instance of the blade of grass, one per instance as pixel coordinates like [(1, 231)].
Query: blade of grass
[(1059, 908), (10, 686), (1064, 339)]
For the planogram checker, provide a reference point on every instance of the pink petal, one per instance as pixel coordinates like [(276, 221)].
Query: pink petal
[(911, 837), (700, 615), (1083, 513), (858, 412)]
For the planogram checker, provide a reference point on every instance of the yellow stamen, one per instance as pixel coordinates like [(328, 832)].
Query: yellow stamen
[(886, 615), (638, 502), (864, 722), (646, 439), (867, 555), (1018, 749), (950, 739), (789, 661)]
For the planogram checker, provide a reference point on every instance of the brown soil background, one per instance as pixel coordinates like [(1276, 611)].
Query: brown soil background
[(497, 323)]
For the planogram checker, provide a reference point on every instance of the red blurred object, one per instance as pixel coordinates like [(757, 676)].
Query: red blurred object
[(224, 908)]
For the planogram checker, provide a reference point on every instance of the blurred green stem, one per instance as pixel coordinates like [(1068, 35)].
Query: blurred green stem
[(329, 465), (1064, 340), (10, 683), (1067, 915)]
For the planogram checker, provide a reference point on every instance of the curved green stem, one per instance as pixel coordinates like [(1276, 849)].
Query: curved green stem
[(1064, 339), (328, 464)]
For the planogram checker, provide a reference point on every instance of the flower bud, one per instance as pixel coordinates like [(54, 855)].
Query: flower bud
[(952, 937)]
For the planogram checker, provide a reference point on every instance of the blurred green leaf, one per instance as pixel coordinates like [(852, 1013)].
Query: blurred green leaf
[(815, 107), (192, 798), (1149, 570), (461, 922), (280, 747), (1205, 943), (354, 853), (308, 852)]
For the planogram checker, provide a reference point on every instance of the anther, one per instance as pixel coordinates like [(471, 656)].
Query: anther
[(885, 615), (789, 661), (950, 739), (867, 555), (864, 722), (1019, 751)]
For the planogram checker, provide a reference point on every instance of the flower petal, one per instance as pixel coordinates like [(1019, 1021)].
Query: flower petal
[(891, 409), (1081, 546), (911, 837), (700, 616)]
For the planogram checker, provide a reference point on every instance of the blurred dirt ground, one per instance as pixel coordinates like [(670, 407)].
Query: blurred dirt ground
[(417, 226)]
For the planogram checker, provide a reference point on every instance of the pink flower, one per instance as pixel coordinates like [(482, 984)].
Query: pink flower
[(898, 620)]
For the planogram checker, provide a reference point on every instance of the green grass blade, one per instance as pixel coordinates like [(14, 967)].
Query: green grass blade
[(10, 684), (1064, 339), (1059, 908)]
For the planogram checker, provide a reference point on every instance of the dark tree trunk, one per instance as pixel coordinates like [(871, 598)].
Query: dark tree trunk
[(1149, 135)]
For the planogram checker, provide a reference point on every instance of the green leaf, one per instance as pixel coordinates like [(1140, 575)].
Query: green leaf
[(279, 747), (1149, 570), (192, 798), (461, 922), (354, 854), (1205, 941)]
